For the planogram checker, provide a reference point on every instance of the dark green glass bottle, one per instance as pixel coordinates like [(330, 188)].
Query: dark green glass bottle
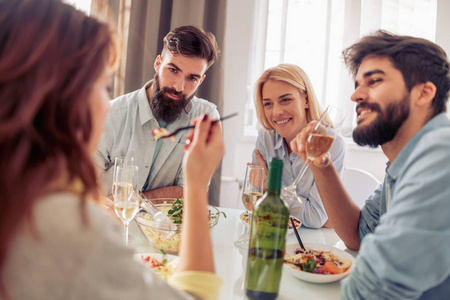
[(267, 239)]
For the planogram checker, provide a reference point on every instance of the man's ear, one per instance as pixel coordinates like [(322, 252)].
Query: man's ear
[(158, 62), (426, 92), (201, 79)]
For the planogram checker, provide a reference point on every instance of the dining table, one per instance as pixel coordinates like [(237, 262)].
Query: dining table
[(230, 261)]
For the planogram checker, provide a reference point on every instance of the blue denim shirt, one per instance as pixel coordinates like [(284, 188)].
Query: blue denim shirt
[(311, 212), (404, 227)]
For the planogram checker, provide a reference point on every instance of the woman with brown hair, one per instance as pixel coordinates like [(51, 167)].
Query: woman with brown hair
[(285, 103), (55, 241)]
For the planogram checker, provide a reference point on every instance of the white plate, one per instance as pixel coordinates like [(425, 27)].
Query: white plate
[(318, 278), (159, 257), (290, 230)]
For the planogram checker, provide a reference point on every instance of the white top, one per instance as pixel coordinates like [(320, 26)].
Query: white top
[(63, 258)]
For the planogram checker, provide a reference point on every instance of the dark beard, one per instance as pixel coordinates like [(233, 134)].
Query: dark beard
[(385, 127), (165, 108)]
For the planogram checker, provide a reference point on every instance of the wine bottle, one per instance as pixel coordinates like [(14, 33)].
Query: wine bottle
[(267, 239)]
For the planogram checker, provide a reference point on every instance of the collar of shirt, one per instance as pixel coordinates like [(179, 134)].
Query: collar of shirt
[(279, 142), (394, 169)]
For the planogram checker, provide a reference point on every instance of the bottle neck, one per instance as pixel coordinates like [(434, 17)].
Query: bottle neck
[(272, 192), (274, 177)]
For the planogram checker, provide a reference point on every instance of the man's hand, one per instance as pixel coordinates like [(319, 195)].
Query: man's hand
[(298, 146)]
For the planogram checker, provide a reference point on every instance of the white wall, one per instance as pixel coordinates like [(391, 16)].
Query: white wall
[(236, 65)]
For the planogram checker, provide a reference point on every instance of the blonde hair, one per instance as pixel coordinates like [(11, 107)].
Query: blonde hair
[(295, 76)]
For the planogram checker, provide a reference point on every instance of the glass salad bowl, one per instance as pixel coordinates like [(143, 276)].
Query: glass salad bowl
[(168, 238)]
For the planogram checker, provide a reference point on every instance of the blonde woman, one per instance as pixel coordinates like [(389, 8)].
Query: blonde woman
[(285, 103)]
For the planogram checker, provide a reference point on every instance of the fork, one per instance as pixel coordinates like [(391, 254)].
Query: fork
[(193, 126)]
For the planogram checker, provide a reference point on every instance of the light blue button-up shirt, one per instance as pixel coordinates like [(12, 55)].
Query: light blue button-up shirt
[(404, 227), (128, 130), (311, 212)]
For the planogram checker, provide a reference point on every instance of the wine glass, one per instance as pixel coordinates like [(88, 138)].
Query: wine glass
[(120, 161), (126, 197), (318, 143), (252, 190)]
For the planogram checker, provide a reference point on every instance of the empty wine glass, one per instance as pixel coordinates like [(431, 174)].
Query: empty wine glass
[(126, 197), (252, 190), (318, 143)]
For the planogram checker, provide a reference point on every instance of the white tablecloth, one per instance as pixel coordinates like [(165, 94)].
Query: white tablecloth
[(230, 261)]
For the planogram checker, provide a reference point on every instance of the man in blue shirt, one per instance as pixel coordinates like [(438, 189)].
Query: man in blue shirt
[(403, 231)]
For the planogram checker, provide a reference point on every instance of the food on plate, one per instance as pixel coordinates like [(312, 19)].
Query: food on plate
[(317, 261), (163, 268), (297, 222), (161, 133)]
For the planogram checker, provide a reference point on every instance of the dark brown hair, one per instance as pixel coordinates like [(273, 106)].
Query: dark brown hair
[(192, 41), (419, 61), (50, 57)]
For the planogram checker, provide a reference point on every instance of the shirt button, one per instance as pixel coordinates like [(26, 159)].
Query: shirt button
[(146, 165)]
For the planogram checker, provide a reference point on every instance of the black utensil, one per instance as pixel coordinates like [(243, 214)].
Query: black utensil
[(297, 235)]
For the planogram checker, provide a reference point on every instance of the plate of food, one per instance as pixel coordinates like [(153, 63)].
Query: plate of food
[(245, 219), (318, 264), (163, 264)]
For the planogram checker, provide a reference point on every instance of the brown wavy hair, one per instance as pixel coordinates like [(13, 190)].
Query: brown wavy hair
[(418, 59), (192, 41), (50, 56)]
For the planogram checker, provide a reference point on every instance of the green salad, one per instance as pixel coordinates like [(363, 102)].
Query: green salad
[(176, 212)]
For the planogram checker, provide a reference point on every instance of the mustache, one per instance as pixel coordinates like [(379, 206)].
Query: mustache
[(372, 106), (171, 91)]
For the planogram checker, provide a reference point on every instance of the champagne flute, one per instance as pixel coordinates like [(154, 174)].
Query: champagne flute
[(126, 197), (318, 143), (252, 190), (120, 161)]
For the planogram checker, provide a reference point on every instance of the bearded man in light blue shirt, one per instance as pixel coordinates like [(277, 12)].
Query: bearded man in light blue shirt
[(403, 231), (168, 101)]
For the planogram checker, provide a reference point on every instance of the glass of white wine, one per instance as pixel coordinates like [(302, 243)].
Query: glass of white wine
[(318, 143), (252, 190), (126, 197), (120, 161)]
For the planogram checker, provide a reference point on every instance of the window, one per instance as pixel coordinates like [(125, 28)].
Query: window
[(84, 5), (313, 33)]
